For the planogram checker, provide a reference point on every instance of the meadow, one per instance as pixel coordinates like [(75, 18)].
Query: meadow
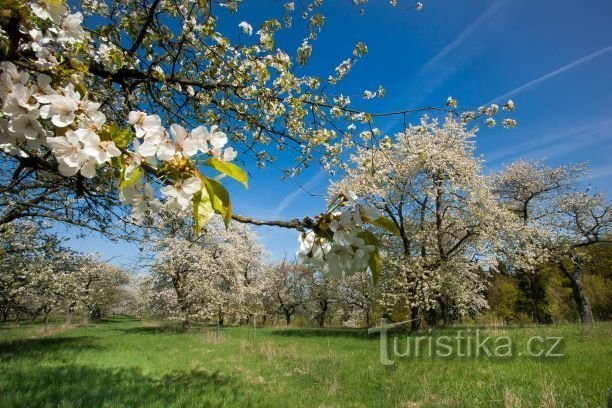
[(125, 362)]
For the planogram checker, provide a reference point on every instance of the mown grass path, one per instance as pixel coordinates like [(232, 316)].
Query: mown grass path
[(127, 363)]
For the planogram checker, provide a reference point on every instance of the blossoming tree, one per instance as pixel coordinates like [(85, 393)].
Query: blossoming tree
[(561, 222), (442, 217), (205, 276)]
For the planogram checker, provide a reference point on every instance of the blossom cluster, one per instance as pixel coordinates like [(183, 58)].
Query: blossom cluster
[(34, 112), (45, 112), (338, 244)]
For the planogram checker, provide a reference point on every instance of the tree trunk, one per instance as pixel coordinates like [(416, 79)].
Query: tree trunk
[(415, 315), (46, 322), (69, 314), (322, 312), (288, 319), (221, 319), (582, 302), (368, 316), (4, 312), (186, 326)]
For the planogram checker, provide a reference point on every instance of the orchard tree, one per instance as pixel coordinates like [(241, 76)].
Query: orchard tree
[(287, 288), (323, 295), (203, 276), (442, 218), (40, 276), (34, 270), (357, 295), (586, 220), (102, 286), (561, 222)]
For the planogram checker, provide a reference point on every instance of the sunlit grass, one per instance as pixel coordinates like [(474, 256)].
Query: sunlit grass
[(123, 362)]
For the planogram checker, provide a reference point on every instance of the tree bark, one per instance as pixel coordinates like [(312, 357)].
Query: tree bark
[(582, 301), (415, 315), (186, 325), (322, 312), (288, 319), (69, 314)]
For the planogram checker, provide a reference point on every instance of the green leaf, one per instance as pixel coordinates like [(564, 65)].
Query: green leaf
[(79, 65), (375, 264), (386, 224), (136, 174), (121, 137), (375, 261), (229, 169), (202, 210), (219, 199)]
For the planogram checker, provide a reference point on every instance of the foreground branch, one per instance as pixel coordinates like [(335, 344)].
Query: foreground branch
[(297, 224)]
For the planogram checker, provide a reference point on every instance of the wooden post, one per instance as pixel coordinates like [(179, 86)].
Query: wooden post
[(254, 317)]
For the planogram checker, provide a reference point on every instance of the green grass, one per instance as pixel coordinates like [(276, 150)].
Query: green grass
[(124, 363)]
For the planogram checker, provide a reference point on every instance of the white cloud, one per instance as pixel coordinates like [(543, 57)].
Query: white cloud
[(550, 75)]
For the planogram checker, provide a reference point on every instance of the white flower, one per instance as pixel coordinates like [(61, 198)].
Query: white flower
[(95, 121), (148, 149), (419, 6), (61, 108), (229, 154), (184, 142), (246, 28), (67, 150), (9, 140), (490, 122), (28, 125), (369, 95), (212, 142), (144, 123), (11, 75), (509, 106), (509, 123), (19, 101), (217, 140), (100, 151), (492, 110), (88, 166), (49, 9), (142, 198), (166, 149), (180, 194), (71, 31)]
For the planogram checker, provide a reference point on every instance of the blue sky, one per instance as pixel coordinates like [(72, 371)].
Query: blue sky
[(554, 59)]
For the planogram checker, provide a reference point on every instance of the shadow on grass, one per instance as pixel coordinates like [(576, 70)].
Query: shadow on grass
[(153, 329), (81, 386), (308, 332), (45, 346)]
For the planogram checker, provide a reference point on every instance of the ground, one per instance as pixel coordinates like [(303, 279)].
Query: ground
[(122, 362)]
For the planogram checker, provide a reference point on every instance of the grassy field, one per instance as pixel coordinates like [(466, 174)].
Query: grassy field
[(125, 363)]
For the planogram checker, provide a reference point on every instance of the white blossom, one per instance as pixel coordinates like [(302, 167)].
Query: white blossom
[(181, 193)]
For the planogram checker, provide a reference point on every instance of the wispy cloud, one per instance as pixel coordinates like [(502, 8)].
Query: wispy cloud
[(295, 194), (556, 143), (600, 172), (441, 66), (552, 74), (464, 35)]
